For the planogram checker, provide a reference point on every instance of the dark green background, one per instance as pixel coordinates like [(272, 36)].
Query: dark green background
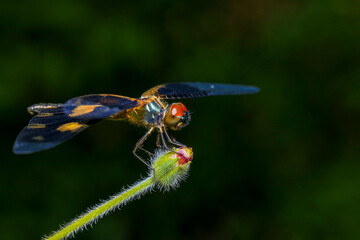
[(280, 164)]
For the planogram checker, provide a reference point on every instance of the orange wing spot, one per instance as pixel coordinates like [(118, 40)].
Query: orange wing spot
[(83, 109), (36, 125), (72, 126), (38, 138)]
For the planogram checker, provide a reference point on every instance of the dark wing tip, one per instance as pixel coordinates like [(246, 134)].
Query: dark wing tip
[(214, 89), (31, 147), (252, 89)]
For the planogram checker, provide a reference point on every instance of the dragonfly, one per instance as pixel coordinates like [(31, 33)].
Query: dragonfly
[(54, 123)]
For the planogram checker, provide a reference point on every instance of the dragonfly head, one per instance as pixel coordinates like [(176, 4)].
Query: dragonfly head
[(177, 116)]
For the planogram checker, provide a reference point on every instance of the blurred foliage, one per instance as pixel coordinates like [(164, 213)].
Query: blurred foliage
[(281, 164)]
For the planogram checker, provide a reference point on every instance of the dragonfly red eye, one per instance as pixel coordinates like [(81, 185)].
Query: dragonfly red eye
[(177, 110), (183, 107)]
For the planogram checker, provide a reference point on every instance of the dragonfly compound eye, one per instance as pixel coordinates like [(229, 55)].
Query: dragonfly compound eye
[(177, 116)]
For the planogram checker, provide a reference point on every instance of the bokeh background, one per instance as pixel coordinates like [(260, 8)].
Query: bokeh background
[(280, 164)]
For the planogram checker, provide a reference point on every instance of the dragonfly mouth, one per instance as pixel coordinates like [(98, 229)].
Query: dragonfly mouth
[(183, 122)]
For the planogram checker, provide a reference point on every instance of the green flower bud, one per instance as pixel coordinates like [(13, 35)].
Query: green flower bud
[(171, 168)]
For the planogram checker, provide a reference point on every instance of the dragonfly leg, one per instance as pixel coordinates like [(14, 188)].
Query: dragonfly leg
[(172, 139), (138, 146), (148, 152), (158, 142), (164, 142)]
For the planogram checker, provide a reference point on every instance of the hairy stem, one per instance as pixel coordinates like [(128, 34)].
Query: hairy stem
[(170, 169)]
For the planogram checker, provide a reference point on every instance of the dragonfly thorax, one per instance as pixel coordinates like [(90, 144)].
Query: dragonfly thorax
[(154, 112)]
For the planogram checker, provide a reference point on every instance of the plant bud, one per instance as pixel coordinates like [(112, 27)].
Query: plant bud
[(171, 168)]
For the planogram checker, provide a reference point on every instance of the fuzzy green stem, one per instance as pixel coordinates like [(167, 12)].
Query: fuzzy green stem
[(170, 169), (102, 209)]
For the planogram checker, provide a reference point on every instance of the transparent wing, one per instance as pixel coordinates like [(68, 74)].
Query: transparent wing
[(197, 89)]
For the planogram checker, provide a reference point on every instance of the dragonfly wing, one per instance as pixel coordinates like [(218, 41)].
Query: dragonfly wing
[(197, 89), (50, 127), (56, 123), (98, 106)]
